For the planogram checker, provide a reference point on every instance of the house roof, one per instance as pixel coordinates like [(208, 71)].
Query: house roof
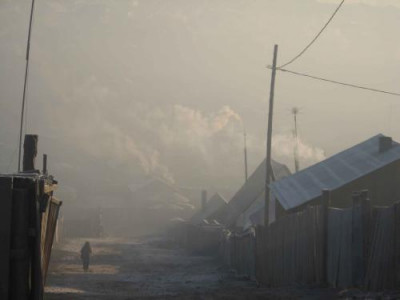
[(334, 172), (213, 205), (217, 215), (249, 192)]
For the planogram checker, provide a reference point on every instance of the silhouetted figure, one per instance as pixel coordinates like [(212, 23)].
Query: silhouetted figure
[(86, 251)]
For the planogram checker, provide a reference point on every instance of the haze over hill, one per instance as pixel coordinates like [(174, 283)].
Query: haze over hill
[(147, 88)]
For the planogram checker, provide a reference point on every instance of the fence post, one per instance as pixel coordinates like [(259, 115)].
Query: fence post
[(326, 200)]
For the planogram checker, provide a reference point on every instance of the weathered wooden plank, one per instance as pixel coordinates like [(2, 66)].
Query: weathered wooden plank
[(345, 266), (326, 199), (321, 240), (333, 252), (370, 273), (357, 257), (49, 188), (366, 228), (53, 210)]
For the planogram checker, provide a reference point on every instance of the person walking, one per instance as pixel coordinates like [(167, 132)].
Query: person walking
[(86, 251)]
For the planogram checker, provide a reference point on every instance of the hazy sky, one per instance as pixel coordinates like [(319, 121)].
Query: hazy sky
[(160, 87)]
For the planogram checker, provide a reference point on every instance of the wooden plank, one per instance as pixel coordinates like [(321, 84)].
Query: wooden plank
[(5, 234), (326, 199), (49, 188), (357, 258), (345, 266), (320, 240), (333, 243), (370, 273), (366, 229)]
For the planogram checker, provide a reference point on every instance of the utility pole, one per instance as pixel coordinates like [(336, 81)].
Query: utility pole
[(295, 111), (245, 155), (268, 165), (28, 47)]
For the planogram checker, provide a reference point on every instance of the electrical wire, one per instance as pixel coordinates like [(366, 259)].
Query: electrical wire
[(338, 82), (315, 38)]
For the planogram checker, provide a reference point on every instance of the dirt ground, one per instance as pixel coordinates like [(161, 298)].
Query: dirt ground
[(148, 269)]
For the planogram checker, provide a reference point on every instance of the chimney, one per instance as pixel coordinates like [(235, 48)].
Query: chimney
[(44, 171), (30, 152), (385, 143), (203, 200)]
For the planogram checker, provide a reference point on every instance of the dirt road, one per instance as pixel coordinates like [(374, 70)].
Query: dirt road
[(145, 269)]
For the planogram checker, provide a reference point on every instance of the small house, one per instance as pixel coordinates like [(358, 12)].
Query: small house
[(211, 211), (373, 165)]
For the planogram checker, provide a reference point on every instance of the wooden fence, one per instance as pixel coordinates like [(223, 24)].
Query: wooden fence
[(290, 250), (238, 252), (197, 239), (364, 246), (358, 246)]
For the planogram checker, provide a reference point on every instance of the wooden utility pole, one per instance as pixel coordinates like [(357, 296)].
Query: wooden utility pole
[(245, 156), (269, 138)]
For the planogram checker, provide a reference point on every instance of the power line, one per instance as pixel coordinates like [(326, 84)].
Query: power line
[(338, 82), (315, 38)]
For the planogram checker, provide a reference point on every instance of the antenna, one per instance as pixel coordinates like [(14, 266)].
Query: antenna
[(295, 111), (28, 47)]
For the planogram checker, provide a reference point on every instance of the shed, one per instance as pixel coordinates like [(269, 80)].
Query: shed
[(373, 164)]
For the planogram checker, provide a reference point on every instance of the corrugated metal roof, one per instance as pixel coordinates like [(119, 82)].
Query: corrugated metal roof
[(334, 172), (249, 192)]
